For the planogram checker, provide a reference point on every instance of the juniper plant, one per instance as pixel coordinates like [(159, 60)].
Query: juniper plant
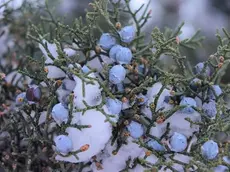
[(93, 97)]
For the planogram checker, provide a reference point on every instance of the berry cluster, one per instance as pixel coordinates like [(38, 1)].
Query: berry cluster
[(110, 104)]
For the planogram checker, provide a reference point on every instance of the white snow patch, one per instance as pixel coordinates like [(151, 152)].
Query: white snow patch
[(92, 93), (42, 117), (55, 72), (96, 136), (115, 163), (70, 52), (52, 50), (174, 120), (151, 159), (14, 78), (151, 94)]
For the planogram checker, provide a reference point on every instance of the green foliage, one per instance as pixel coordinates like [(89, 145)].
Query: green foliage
[(83, 35)]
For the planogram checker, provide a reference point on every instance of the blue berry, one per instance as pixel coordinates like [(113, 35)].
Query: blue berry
[(142, 99), (117, 74), (107, 41), (178, 142), (60, 114), (85, 69), (113, 51), (199, 68), (155, 145), (210, 108), (141, 68), (226, 159), (33, 94), (209, 150), (68, 85), (221, 168), (127, 34), (21, 98), (215, 90), (135, 129), (120, 87), (195, 84), (63, 144), (167, 99), (189, 102), (114, 105), (124, 56)]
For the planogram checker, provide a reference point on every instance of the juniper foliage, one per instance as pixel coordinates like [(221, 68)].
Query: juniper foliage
[(29, 146)]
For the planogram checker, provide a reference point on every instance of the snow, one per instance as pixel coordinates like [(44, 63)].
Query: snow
[(99, 135), (151, 159), (53, 71), (52, 50), (151, 94), (115, 163), (96, 64), (96, 136), (92, 92), (68, 84), (6, 41), (13, 78), (65, 89), (70, 52), (100, 131), (177, 118), (42, 118), (14, 4)]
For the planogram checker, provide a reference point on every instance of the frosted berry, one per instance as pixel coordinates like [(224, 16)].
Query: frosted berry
[(60, 114), (127, 34), (189, 102), (209, 150), (113, 51), (63, 144), (199, 68), (195, 84), (120, 87), (210, 108), (167, 99), (141, 68), (107, 41), (124, 55), (155, 145), (117, 74), (114, 105), (33, 94), (226, 159), (141, 99), (136, 130), (21, 98), (221, 168), (85, 69), (178, 142), (215, 90)]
